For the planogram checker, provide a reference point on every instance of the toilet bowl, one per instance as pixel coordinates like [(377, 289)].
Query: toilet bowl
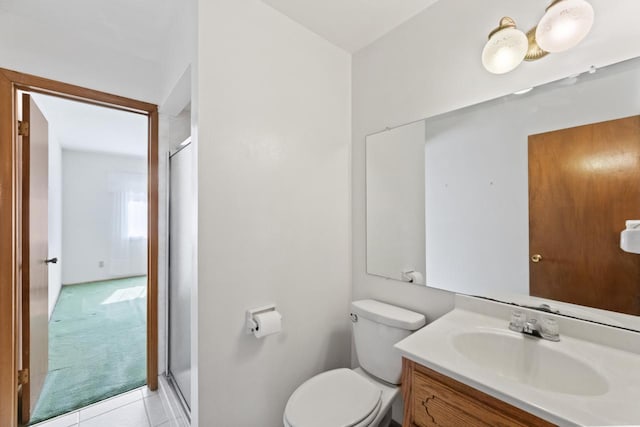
[(361, 397), (321, 401)]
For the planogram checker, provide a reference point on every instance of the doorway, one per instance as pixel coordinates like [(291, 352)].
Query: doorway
[(24, 305), (93, 162)]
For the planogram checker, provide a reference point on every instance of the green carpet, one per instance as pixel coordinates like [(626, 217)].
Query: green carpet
[(97, 345)]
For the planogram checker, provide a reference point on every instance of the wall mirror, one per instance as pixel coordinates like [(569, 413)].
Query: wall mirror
[(521, 199)]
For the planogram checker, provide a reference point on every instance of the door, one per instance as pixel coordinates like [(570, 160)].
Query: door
[(35, 289), (583, 186), (181, 252)]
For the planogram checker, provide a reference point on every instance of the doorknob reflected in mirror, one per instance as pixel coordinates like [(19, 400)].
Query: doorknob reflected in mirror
[(536, 258)]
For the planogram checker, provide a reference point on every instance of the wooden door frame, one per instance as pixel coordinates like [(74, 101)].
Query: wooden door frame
[(10, 83)]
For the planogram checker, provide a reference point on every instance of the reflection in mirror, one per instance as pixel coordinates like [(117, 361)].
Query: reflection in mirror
[(395, 203), (524, 197)]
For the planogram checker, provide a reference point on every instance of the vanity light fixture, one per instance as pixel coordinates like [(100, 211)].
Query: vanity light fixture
[(564, 24), (506, 48)]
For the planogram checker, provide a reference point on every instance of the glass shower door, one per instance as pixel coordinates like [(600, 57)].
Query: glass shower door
[(181, 254)]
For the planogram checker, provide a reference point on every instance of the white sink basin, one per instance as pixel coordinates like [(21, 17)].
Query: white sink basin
[(590, 377), (530, 361)]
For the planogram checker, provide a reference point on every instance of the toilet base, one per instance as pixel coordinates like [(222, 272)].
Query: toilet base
[(386, 420)]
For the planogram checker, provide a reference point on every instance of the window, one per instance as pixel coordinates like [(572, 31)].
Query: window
[(129, 198), (136, 216)]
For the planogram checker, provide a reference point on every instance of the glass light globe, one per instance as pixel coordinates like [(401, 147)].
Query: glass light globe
[(564, 25), (505, 50)]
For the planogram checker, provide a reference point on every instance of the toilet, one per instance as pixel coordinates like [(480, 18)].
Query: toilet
[(360, 397)]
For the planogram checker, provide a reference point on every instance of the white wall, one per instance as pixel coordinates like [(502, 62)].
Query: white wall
[(178, 61), (179, 128), (55, 218), (88, 219), (429, 66), (274, 168), (75, 60), (121, 55)]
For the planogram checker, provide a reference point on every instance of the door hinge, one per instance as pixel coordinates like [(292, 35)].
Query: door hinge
[(23, 128), (23, 376)]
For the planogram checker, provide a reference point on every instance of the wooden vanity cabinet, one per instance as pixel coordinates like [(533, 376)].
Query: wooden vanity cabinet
[(432, 399)]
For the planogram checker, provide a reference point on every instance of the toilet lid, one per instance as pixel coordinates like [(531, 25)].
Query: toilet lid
[(338, 398)]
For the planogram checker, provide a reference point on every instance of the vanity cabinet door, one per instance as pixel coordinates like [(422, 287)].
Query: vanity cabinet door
[(435, 400), (435, 404)]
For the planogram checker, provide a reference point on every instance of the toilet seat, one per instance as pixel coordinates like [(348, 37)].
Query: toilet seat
[(364, 423), (337, 398)]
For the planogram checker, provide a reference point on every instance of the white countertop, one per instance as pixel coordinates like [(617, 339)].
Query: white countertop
[(432, 347)]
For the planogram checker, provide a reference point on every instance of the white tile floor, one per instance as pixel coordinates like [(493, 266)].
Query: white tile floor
[(137, 408)]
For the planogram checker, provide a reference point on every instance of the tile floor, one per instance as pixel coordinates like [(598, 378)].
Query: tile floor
[(138, 408)]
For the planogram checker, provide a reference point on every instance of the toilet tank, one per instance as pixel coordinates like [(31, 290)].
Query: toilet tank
[(376, 328)]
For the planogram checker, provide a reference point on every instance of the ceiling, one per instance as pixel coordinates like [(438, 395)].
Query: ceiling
[(86, 127), (129, 27), (350, 24), (135, 27)]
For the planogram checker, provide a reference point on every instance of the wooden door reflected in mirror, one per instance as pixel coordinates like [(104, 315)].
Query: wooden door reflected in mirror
[(583, 186)]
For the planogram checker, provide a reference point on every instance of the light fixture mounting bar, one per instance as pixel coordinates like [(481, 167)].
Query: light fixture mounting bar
[(534, 52)]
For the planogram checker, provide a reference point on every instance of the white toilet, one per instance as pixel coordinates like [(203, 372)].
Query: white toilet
[(361, 397)]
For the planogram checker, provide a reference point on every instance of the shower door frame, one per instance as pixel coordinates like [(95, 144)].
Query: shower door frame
[(168, 373)]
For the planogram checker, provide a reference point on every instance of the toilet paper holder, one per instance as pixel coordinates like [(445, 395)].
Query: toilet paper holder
[(412, 276), (251, 324)]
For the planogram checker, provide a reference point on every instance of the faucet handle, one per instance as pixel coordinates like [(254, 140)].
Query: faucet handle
[(531, 327), (518, 321), (549, 329)]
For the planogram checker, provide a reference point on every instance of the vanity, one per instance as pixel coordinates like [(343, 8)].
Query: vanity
[(469, 368), (432, 399)]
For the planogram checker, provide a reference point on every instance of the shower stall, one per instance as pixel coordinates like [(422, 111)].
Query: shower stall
[(182, 238)]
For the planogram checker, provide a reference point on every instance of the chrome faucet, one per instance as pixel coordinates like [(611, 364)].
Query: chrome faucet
[(547, 329)]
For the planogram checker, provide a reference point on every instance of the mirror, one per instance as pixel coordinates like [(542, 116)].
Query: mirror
[(395, 203), (521, 199)]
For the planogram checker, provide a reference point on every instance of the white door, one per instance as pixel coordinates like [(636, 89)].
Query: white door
[(35, 278)]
